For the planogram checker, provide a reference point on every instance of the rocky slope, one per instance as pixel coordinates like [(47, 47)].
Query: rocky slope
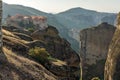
[(16, 67), (112, 66), (65, 60), (94, 46)]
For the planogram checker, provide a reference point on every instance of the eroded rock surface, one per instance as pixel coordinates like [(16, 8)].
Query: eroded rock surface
[(112, 66), (0, 25), (20, 41), (94, 49)]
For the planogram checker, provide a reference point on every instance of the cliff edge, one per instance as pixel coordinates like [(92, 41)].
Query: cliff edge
[(94, 48), (112, 66)]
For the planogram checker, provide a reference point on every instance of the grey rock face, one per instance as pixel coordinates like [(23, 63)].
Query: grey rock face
[(94, 49)]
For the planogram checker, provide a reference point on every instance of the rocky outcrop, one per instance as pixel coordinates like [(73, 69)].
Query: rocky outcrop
[(94, 49), (67, 59), (59, 48), (23, 36), (55, 44), (112, 66), (0, 25), (16, 67)]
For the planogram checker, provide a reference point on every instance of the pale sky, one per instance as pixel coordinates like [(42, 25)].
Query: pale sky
[(55, 6)]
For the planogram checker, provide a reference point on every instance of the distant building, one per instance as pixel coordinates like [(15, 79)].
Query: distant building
[(39, 22)]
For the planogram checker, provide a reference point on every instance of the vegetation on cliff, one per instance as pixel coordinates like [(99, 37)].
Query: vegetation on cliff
[(45, 47)]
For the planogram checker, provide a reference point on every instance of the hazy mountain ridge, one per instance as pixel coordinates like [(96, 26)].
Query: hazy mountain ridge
[(84, 16), (69, 22)]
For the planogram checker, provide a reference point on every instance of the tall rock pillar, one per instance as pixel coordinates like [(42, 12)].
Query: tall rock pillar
[(0, 25), (112, 66), (94, 48)]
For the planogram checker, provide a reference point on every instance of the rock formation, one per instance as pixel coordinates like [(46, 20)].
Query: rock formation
[(20, 41), (0, 25), (112, 66), (16, 67), (55, 44), (94, 46)]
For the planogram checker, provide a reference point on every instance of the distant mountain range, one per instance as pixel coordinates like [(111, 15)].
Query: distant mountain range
[(69, 22)]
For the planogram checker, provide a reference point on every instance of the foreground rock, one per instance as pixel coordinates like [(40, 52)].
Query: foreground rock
[(112, 66), (65, 67), (0, 25), (57, 45), (94, 49), (15, 67)]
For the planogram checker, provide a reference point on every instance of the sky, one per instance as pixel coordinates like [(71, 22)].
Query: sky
[(55, 6)]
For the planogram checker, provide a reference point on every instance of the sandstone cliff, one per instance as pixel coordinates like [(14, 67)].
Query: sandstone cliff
[(112, 66), (94, 48)]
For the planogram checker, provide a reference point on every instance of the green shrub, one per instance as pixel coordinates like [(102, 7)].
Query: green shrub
[(30, 29), (40, 54), (52, 59)]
